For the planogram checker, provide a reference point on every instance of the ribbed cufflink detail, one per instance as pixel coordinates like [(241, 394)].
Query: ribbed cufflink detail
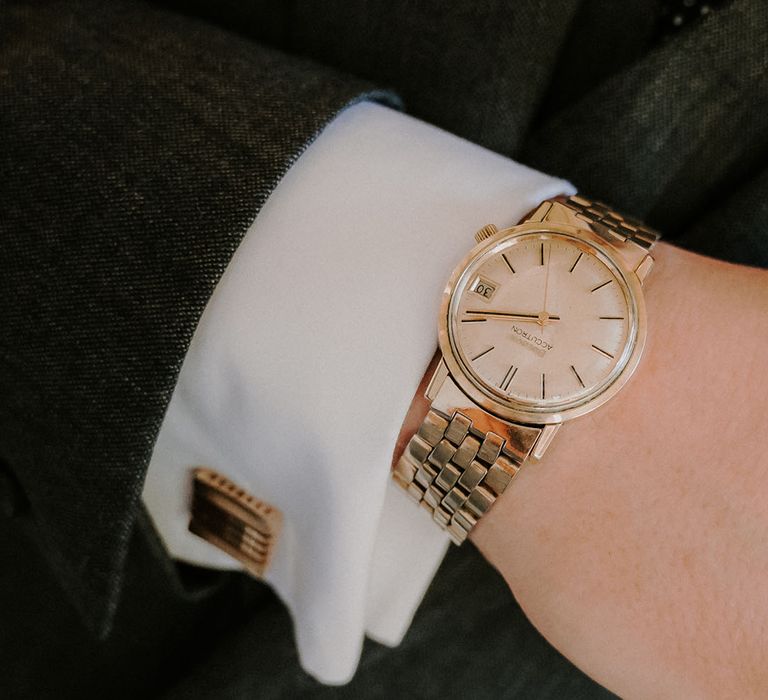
[(233, 520)]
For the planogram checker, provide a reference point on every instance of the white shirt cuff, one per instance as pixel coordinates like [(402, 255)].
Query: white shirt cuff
[(307, 356)]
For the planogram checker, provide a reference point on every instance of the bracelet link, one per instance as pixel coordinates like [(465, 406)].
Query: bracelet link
[(456, 472), (612, 225)]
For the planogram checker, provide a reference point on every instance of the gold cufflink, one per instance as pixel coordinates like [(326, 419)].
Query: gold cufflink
[(233, 520)]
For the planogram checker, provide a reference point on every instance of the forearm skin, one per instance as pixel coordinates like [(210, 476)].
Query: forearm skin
[(639, 545)]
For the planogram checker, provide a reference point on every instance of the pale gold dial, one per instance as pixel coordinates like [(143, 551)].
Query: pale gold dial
[(543, 320)]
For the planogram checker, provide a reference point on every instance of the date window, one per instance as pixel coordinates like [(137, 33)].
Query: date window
[(484, 288)]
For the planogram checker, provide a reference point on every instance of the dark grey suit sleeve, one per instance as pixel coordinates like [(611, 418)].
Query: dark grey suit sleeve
[(136, 147)]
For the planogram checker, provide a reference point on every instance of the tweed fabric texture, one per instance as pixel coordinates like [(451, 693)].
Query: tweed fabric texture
[(137, 147), (692, 124)]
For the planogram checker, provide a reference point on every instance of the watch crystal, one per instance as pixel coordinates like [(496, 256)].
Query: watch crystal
[(542, 320)]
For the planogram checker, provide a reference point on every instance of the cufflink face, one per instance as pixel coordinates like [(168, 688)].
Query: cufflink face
[(233, 520)]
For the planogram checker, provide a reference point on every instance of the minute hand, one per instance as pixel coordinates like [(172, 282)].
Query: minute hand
[(533, 318)]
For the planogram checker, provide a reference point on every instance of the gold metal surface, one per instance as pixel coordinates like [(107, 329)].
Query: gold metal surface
[(470, 446), (486, 232), (625, 254), (234, 521), (466, 469), (644, 268)]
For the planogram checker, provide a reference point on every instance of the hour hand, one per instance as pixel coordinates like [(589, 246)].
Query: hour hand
[(523, 318)]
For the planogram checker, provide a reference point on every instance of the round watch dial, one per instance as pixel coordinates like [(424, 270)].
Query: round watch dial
[(542, 320)]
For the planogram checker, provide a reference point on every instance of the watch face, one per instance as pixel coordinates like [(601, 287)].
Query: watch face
[(542, 321)]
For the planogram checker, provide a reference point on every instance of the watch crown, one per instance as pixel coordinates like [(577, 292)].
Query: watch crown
[(486, 232)]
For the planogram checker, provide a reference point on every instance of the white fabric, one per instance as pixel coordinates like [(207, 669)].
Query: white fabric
[(307, 357)]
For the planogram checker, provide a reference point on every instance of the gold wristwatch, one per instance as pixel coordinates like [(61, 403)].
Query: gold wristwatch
[(539, 324)]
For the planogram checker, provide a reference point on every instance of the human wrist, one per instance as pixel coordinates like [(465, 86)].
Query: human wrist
[(603, 542)]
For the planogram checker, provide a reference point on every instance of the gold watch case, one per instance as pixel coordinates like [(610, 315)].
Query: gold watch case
[(511, 410)]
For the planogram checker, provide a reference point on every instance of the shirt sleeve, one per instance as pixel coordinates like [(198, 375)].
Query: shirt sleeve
[(305, 361)]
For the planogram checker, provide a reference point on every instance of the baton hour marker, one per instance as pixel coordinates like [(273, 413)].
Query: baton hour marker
[(576, 263), (484, 352), (603, 352), (600, 286), (508, 377)]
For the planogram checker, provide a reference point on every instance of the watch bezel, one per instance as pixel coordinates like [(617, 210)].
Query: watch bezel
[(513, 410)]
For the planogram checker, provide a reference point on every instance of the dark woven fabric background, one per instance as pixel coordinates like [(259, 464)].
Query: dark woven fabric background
[(138, 142), (135, 159)]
